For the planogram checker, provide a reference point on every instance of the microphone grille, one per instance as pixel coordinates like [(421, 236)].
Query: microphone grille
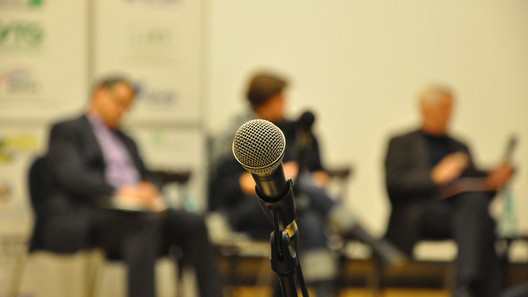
[(259, 146)]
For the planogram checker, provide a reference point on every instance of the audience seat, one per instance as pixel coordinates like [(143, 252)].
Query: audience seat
[(39, 186)]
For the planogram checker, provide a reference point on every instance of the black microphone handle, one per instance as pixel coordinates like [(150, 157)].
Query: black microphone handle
[(280, 210), (271, 186)]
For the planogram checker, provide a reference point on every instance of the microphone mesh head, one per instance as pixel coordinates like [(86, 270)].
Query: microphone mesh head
[(259, 146)]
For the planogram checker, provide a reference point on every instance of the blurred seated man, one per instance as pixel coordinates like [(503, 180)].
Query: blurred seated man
[(105, 196), (436, 192), (232, 189)]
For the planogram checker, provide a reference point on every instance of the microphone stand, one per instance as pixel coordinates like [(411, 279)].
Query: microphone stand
[(283, 241), (301, 152), (304, 137), (303, 140)]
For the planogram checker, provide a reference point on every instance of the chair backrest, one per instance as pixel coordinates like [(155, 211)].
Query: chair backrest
[(39, 183), (212, 203)]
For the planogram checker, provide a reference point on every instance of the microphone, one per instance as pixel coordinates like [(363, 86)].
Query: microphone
[(306, 121), (304, 137), (304, 130), (259, 147)]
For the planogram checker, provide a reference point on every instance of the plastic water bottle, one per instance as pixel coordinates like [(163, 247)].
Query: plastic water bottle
[(508, 221)]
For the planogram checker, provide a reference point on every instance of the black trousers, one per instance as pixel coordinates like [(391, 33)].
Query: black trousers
[(189, 232), (466, 219), (135, 238)]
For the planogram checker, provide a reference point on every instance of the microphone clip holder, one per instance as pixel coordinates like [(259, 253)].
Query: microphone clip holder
[(283, 241)]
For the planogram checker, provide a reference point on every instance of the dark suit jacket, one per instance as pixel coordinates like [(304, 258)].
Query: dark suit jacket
[(409, 185), (76, 166)]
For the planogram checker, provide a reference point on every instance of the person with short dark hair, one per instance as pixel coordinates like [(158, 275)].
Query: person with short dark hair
[(232, 189), (436, 191), (103, 195)]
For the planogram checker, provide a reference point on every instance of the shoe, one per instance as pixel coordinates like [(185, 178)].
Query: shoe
[(389, 256), (463, 291), (348, 228), (324, 289)]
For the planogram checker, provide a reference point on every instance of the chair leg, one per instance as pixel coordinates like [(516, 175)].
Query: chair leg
[(179, 280), (14, 285), (91, 271), (233, 261), (374, 282), (176, 255), (264, 276)]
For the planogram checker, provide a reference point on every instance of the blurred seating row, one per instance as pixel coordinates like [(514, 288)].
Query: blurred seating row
[(233, 246)]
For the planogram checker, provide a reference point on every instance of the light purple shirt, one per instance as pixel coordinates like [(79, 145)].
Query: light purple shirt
[(120, 169)]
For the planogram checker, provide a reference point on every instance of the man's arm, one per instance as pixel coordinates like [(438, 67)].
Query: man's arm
[(225, 188), (68, 168), (320, 176), (474, 179)]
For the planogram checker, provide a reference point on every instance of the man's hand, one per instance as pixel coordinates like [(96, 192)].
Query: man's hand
[(143, 194), (499, 176), (247, 184), (449, 168), (320, 178), (291, 170)]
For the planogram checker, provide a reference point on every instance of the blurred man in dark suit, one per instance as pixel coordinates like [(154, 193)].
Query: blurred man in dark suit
[(437, 192), (104, 196)]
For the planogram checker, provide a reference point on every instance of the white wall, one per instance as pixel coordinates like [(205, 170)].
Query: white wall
[(360, 64)]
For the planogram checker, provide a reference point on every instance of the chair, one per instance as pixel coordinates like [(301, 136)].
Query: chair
[(425, 254), (235, 247), (39, 183)]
